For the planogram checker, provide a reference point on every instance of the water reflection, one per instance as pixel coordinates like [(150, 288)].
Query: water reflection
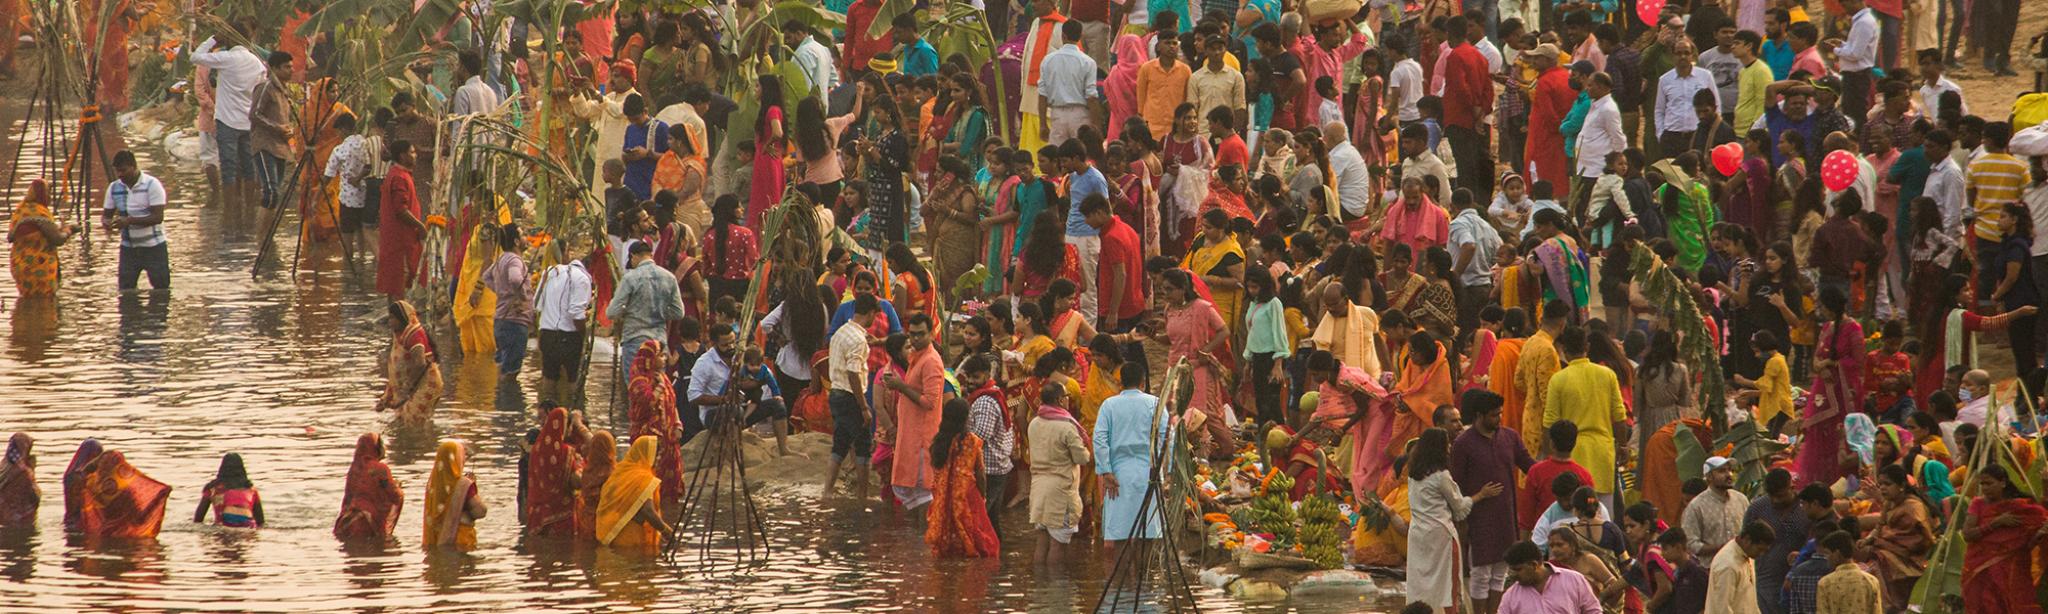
[(144, 317)]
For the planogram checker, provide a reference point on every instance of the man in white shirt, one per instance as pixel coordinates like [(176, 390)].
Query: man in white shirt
[(134, 208), (1066, 83), (1945, 182), (237, 71), (1933, 85), (474, 97), (847, 372), (1354, 178), (563, 301), (1600, 135), (1855, 57), (1404, 82), (1473, 242), (811, 56), (1673, 116), (348, 166)]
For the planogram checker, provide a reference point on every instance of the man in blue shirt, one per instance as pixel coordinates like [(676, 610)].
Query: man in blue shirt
[(1777, 51), (646, 140), (916, 56), (1083, 181), (864, 284)]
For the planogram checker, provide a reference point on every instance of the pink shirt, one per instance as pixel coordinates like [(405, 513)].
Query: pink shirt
[(1809, 61), (1319, 62), (1421, 228), (1567, 592)]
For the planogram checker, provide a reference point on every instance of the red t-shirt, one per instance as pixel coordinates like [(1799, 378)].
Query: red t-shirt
[(1120, 252), (1536, 495), (1233, 152), (1089, 10)]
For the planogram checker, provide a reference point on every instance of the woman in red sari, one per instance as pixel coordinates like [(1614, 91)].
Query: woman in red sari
[(2004, 527), (552, 478), (19, 495), (104, 496), (599, 456), (113, 49), (956, 525), (1837, 389), (371, 500), (653, 413), (1303, 460)]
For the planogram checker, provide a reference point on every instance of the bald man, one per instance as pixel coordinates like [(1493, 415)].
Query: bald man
[(1348, 330), (1354, 177)]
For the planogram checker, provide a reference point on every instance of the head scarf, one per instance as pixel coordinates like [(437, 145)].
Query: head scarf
[(627, 69), (632, 485), (38, 192), (600, 454), (370, 494), (112, 498), (650, 394), (550, 503), (414, 332), (1861, 434), (442, 498), (19, 495), (19, 448)]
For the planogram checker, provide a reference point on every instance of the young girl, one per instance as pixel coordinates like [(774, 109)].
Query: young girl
[(1276, 154), (1511, 206), (231, 496)]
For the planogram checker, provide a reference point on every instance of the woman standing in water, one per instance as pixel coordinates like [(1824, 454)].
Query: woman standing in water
[(371, 500), (19, 495), (453, 506), (35, 234), (600, 453), (412, 384), (957, 523), (552, 478), (232, 496), (628, 513), (104, 496)]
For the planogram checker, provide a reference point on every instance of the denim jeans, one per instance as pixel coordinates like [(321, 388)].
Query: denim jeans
[(511, 339), (237, 161), (270, 171), (155, 260)]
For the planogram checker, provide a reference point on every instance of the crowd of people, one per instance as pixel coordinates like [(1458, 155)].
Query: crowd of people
[(1415, 256)]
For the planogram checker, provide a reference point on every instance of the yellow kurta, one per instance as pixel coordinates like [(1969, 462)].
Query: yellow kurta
[(1589, 395), (1532, 379), (1774, 390)]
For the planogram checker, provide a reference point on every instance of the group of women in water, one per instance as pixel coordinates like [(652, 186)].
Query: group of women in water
[(571, 484)]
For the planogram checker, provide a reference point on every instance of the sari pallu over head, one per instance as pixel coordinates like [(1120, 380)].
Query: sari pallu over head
[(107, 497), (447, 493), (551, 501), (631, 486), (599, 457), (652, 396), (19, 495), (1997, 566), (371, 500)]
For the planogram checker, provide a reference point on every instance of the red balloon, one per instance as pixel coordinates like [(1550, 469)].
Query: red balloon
[(1648, 10), (1728, 159), (1838, 171)]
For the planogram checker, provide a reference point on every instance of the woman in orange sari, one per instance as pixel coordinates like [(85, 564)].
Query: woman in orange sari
[(2004, 528), (104, 496), (453, 506), (1661, 484), (320, 202), (914, 291), (371, 500), (19, 495), (1425, 385), (1068, 328), (956, 525), (599, 456), (552, 478), (1902, 536), (35, 234), (653, 414), (628, 512)]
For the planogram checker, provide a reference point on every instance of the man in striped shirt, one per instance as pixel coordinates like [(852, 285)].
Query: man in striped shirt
[(1994, 180)]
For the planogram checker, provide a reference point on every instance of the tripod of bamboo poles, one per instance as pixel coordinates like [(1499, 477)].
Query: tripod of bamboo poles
[(59, 27), (1169, 484), (717, 501)]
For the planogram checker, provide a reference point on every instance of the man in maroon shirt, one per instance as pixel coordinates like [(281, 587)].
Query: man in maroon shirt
[(1120, 274), (1468, 98)]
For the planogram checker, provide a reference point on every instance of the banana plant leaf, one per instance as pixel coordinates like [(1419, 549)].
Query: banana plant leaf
[(1752, 455), (1672, 298), (1692, 459), (887, 14)]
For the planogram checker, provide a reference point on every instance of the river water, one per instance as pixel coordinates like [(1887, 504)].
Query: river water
[(283, 369)]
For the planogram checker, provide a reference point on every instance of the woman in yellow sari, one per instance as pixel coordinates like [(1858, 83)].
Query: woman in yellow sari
[(1068, 327), (475, 303), (1219, 261), (453, 506), (684, 171), (35, 234), (628, 513), (1380, 539), (412, 374)]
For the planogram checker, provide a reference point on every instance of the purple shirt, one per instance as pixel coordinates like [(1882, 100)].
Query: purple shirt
[(1566, 592), (1477, 460), (507, 278)]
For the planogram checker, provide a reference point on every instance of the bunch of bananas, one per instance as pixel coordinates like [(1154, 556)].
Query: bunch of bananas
[(1321, 535), (1279, 484), (1271, 513)]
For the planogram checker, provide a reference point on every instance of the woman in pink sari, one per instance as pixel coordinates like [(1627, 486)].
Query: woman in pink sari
[(1196, 333), (1120, 88), (1837, 388)]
